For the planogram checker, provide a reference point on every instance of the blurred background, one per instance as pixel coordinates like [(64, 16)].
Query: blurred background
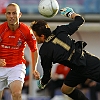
[(30, 6), (89, 8), (89, 32)]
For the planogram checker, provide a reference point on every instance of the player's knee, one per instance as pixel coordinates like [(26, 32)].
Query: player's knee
[(16, 95), (66, 89)]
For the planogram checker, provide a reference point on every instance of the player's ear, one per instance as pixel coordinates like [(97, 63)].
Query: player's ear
[(20, 14), (42, 35)]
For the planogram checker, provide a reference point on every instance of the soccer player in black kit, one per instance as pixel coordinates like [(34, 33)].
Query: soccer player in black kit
[(59, 47)]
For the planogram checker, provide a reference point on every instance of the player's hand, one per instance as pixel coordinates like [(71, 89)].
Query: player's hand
[(67, 12), (2, 62), (40, 84), (36, 75)]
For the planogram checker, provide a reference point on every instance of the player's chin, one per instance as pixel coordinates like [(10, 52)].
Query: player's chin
[(39, 42), (11, 23)]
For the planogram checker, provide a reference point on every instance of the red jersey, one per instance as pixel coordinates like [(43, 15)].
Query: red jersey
[(61, 69), (13, 43)]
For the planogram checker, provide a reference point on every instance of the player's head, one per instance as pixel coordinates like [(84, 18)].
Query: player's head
[(13, 13), (41, 30)]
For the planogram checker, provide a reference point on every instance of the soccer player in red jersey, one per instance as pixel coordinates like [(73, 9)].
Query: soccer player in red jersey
[(14, 36)]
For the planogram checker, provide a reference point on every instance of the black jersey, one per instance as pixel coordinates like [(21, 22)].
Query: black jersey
[(59, 47)]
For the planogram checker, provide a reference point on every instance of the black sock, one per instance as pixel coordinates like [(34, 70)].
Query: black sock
[(77, 95)]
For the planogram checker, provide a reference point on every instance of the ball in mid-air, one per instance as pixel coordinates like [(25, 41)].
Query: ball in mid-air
[(48, 8)]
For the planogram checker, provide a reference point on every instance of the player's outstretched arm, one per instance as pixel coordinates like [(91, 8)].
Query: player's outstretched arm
[(76, 23)]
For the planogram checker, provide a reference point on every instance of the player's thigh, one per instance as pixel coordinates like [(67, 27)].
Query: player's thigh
[(16, 77), (17, 73), (74, 78), (16, 86)]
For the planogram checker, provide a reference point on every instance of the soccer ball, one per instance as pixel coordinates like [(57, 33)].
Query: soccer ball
[(48, 8)]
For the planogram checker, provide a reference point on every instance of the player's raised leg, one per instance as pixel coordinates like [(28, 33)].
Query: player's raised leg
[(73, 93)]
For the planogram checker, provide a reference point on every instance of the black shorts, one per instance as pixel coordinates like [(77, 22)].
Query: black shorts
[(80, 74), (73, 79)]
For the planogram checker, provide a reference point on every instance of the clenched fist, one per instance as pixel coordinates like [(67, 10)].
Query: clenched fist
[(36, 74), (2, 62)]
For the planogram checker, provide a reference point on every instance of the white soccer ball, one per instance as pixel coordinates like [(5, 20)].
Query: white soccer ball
[(48, 8)]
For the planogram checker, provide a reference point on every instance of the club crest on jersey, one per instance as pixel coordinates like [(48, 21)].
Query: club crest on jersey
[(19, 42)]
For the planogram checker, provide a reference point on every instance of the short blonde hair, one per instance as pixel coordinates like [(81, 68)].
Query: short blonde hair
[(14, 4)]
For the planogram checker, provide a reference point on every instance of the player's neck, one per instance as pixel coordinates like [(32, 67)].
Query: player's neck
[(13, 27)]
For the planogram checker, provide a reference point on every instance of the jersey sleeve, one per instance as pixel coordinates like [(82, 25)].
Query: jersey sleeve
[(31, 41), (46, 65), (75, 24), (72, 27)]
